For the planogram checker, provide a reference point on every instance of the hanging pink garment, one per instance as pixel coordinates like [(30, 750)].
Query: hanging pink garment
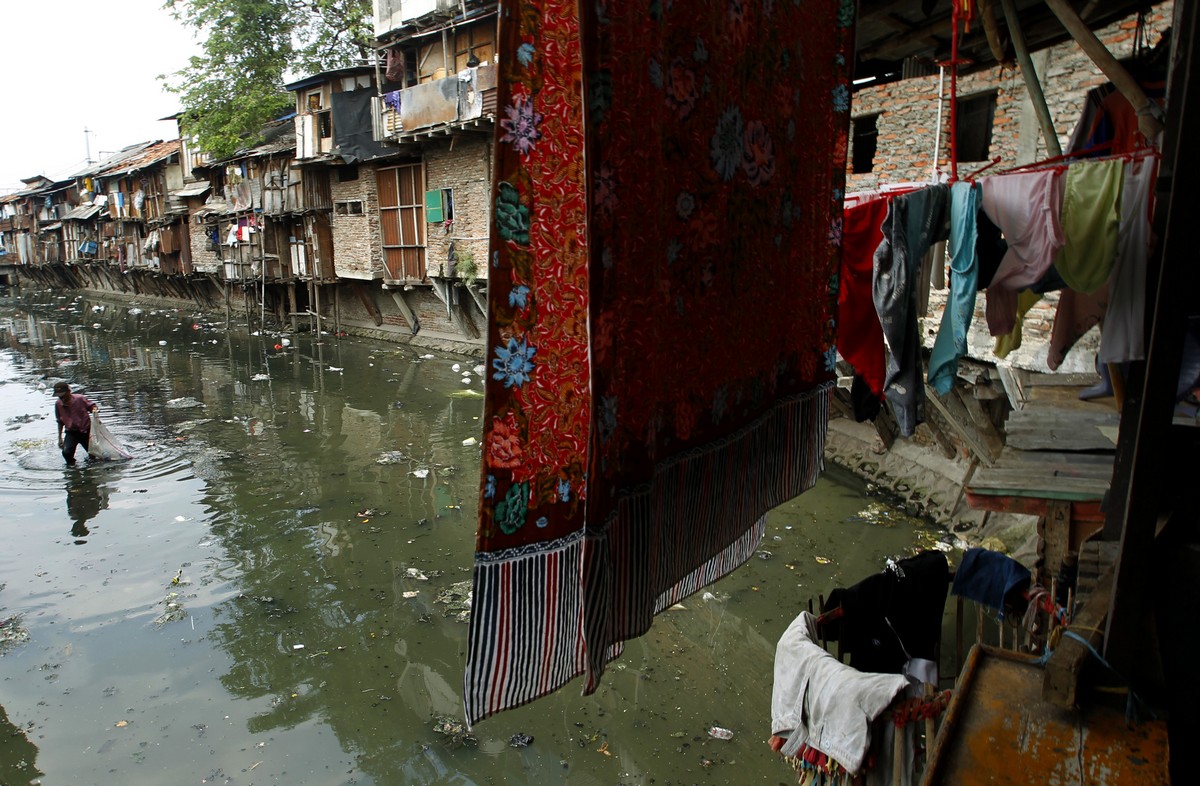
[(1026, 208)]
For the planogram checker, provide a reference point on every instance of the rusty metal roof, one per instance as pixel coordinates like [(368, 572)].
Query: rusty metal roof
[(134, 158)]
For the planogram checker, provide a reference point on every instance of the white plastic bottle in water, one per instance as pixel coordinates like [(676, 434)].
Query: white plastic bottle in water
[(717, 733)]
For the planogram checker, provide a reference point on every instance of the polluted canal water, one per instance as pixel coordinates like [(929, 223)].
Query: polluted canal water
[(273, 590)]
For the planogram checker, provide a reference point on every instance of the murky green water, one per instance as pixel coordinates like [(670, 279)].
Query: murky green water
[(253, 599)]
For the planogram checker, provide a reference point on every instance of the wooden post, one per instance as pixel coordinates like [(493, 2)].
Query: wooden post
[(1148, 122), (1029, 74), (1148, 450)]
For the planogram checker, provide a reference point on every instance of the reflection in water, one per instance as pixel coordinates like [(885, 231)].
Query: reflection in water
[(18, 756), (85, 499), (305, 528)]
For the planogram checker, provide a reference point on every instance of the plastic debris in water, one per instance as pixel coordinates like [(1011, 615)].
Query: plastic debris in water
[(411, 593), (823, 560), (420, 473), (162, 343), (455, 367), (520, 740), (718, 733), (470, 441)]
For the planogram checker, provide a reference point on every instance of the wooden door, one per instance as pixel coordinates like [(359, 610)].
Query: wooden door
[(402, 221)]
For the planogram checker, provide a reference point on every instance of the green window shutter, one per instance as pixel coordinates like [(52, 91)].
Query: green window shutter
[(433, 206)]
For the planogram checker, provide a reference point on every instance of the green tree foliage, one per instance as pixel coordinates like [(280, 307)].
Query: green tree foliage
[(251, 47)]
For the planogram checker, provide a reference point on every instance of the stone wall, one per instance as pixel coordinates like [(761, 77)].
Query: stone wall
[(908, 110)]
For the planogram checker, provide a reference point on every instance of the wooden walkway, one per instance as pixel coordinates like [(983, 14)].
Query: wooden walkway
[(1056, 463)]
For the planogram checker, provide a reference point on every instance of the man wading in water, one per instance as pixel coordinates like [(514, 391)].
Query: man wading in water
[(71, 412)]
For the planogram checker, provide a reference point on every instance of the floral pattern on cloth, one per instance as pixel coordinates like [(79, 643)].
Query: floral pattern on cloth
[(666, 231)]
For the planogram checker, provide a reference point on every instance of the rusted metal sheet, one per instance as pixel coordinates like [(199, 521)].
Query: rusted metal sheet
[(430, 104), (998, 730)]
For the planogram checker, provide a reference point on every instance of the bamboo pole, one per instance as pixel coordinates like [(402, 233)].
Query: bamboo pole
[(1147, 112), (1029, 74)]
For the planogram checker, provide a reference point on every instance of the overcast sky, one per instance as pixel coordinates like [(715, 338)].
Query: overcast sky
[(73, 64)]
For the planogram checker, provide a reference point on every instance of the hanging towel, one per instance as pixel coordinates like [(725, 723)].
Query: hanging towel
[(951, 341), (914, 222), (817, 700), (633, 440), (1026, 208), (1091, 215), (1123, 334), (988, 577), (859, 335)]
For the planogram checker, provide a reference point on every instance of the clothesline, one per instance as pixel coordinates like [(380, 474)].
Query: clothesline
[(1073, 226)]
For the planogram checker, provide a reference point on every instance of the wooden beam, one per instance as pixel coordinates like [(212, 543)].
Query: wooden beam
[(1029, 74), (984, 443), (1060, 685), (368, 303), (1148, 121), (414, 324)]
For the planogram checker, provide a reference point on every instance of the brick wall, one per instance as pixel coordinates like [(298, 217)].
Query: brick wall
[(356, 237), (466, 167), (203, 260), (908, 109)]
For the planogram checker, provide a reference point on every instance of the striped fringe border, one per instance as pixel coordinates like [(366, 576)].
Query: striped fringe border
[(668, 539), (525, 636), (702, 516)]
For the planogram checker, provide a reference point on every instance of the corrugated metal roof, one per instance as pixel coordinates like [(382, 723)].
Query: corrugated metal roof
[(83, 212), (150, 153), (157, 152), (193, 189)]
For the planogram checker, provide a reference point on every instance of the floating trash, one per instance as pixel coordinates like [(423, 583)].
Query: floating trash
[(260, 377), (411, 593), (718, 733), (428, 357), (187, 402), (392, 457), (420, 473), (457, 600), (822, 560), (470, 441), (455, 367), (162, 342), (520, 740)]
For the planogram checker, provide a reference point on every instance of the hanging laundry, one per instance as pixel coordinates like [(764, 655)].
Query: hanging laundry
[(1091, 214), (1011, 341), (859, 335), (232, 238), (1123, 335), (991, 578), (632, 442), (1026, 208), (951, 341), (914, 221), (818, 701), (394, 69), (1076, 314), (392, 99), (893, 616)]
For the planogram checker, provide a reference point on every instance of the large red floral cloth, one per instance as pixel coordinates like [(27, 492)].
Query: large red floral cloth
[(665, 236)]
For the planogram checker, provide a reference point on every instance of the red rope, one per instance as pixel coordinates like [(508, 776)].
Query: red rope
[(954, 94)]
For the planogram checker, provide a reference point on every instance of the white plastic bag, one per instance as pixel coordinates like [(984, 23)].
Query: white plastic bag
[(102, 445)]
